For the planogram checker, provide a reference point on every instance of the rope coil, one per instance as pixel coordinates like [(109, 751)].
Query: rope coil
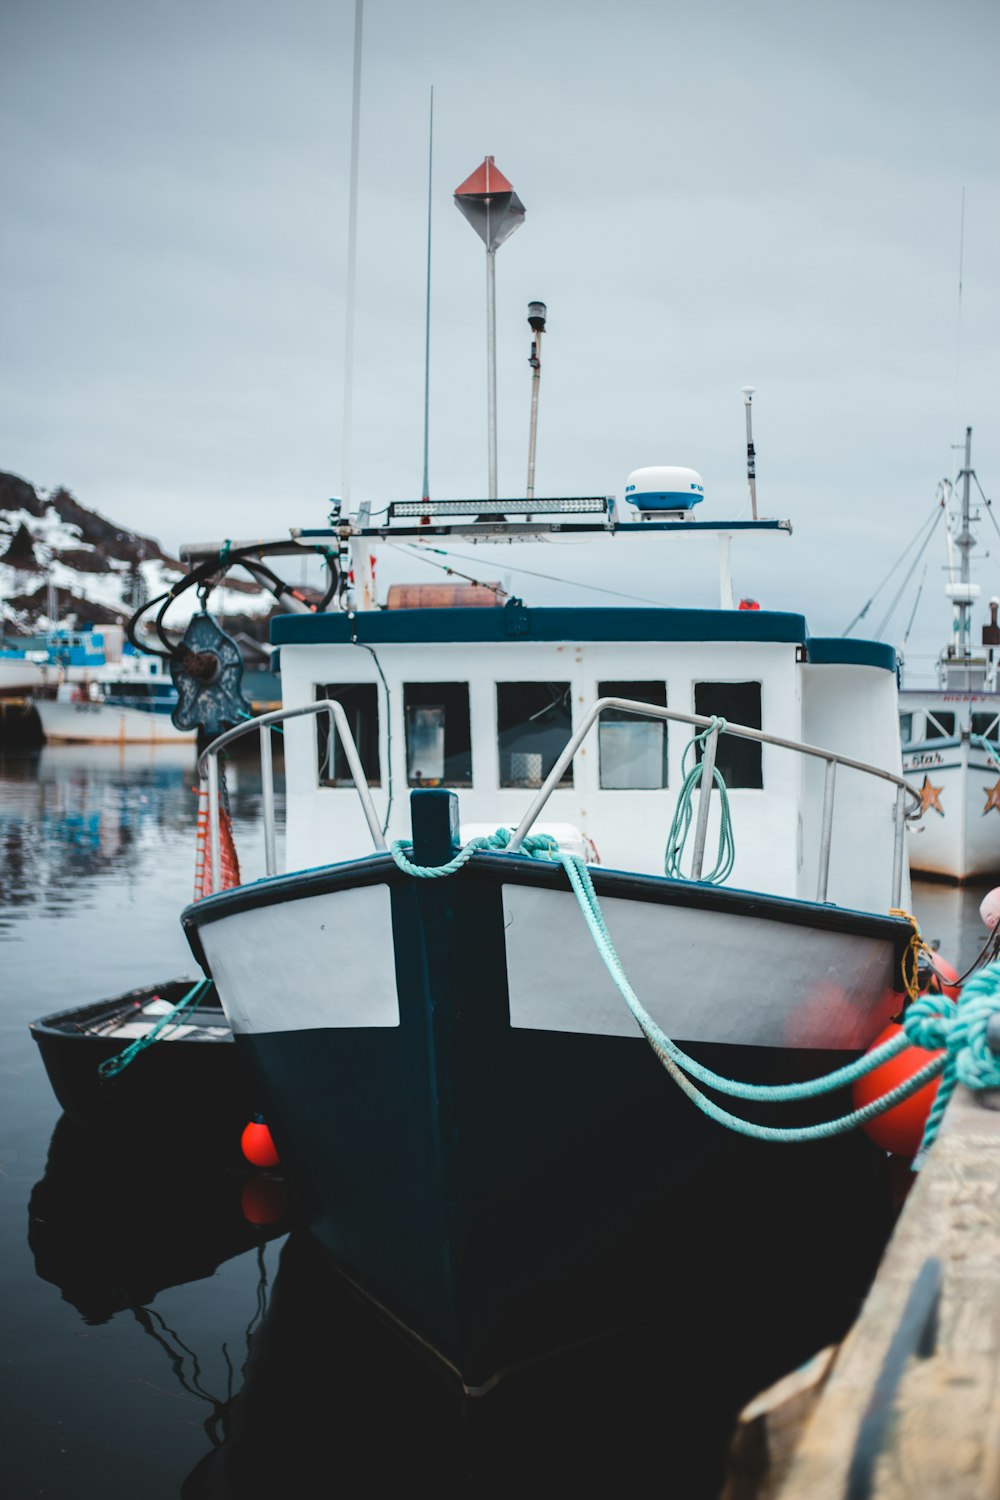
[(958, 1031), (683, 817)]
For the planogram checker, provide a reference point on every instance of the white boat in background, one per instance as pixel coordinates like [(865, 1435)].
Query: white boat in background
[(18, 674), (129, 701), (62, 655), (951, 733)]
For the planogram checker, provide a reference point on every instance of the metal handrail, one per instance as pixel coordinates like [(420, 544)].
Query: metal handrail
[(743, 731), (208, 768)]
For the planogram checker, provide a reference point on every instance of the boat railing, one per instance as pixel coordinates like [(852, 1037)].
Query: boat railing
[(743, 731), (208, 769), (262, 724)]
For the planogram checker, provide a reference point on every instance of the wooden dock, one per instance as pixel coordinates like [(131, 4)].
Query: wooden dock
[(908, 1406)]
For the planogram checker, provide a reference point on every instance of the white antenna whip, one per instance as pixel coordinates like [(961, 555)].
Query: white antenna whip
[(751, 456), (352, 256), (425, 492)]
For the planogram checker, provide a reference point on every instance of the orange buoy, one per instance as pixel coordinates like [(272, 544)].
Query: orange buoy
[(900, 1129), (258, 1147), (264, 1200)]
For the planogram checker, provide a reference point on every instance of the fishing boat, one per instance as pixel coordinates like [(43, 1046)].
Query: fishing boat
[(18, 673), (144, 1076), (951, 731), (62, 655), (127, 701), (499, 915)]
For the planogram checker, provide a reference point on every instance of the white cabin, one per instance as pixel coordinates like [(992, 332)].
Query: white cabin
[(482, 700)]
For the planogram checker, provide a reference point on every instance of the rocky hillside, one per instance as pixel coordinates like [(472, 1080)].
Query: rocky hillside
[(62, 564)]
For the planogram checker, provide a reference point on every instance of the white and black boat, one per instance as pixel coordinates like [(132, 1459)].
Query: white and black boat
[(477, 1129), (951, 731), (127, 701)]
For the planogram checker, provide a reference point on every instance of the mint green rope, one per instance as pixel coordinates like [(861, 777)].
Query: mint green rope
[(112, 1066), (956, 1032), (983, 742), (680, 1065), (683, 817), (540, 845)]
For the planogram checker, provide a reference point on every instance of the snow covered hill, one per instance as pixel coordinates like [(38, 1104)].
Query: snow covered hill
[(62, 564)]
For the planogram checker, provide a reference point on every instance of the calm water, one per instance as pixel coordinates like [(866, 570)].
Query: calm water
[(155, 1343)]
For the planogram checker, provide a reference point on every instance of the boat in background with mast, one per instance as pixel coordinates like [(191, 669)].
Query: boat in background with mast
[(128, 698), (34, 663), (951, 733), (122, 695)]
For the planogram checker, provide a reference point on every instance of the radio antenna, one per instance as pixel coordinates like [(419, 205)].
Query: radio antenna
[(536, 321), (751, 456)]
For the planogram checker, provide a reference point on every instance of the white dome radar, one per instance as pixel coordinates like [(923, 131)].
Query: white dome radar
[(664, 487)]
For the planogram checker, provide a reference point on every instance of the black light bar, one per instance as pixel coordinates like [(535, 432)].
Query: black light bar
[(573, 505)]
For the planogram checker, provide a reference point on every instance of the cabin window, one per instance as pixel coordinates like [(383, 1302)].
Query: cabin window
[(940, 726), (906, 728), (359, 701), (986, 725), (438, 734), (633, 750), (534, 721), (739, 760)]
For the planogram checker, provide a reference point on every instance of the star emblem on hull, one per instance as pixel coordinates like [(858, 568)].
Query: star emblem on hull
[(930, 797), (992, 798)]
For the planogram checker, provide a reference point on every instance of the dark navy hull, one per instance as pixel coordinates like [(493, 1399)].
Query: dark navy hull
[(727, 1310), (504, 1192)]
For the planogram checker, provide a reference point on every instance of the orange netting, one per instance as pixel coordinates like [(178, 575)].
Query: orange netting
[(229, 864)]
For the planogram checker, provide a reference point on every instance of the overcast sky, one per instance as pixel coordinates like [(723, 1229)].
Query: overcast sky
[(729, 193)]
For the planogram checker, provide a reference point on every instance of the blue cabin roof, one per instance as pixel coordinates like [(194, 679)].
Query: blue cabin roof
[(517, 622)]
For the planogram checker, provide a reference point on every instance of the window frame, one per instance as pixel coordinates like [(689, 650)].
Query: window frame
[(605, 690), (429, 686), (940, 733), (330, 690), (744, 746), (568, 781)]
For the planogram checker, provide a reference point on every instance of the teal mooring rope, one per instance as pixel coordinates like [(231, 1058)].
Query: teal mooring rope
[(984, 744), (958, 1030), (683, 817), (112, 1066)]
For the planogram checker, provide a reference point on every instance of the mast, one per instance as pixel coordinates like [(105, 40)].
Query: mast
[(494, 210), (965, 542), (425, 490), (352, 256), (536, 321)]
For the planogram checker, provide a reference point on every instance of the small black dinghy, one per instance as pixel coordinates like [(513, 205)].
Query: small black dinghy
[(145, 1074)]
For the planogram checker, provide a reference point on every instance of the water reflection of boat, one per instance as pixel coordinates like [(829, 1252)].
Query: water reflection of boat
[(72, 813), (185, 1095), (112, 1239), (327, 1376)]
